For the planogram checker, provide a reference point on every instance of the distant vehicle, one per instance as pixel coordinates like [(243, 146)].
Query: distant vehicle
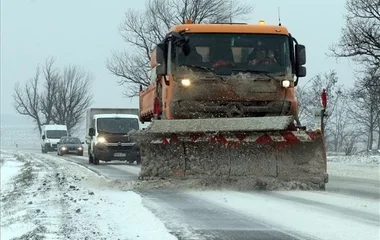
[(51, 135), (69, 145), (108, 135)]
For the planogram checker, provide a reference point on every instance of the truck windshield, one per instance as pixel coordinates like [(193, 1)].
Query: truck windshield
[(117, 125), (250, 52), (56, 133)]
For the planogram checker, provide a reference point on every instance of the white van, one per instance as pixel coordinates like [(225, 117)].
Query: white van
[(50, 135)]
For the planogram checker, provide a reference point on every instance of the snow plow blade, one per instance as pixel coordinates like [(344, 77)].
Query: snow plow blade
[(246, 152)]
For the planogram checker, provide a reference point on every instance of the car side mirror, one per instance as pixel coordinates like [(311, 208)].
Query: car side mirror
[(161, 59), (300, 54), (91, 132), (43, 137)]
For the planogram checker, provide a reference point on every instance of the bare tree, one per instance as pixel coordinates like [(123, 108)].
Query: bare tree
[(27, 99), (309, 95), (360, 38), (343, 131), (365, 107), (61, 99), (73, 97), (141, 30), (52, 78)]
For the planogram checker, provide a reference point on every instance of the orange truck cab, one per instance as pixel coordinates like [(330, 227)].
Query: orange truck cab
[(223, 71)]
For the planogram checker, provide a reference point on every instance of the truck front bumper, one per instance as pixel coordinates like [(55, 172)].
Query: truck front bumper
[(108, 153)]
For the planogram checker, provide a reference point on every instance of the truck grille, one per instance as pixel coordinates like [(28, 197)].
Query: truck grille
[(120, 148)]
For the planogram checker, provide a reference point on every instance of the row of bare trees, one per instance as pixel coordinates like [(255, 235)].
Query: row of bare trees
[(353, 113), (352, 119), (53, 96)]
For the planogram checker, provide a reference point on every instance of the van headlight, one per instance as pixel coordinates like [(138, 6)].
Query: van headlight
[(101, 140), (186, 82), (285, 83)]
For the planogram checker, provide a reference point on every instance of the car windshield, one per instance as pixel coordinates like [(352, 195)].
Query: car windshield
[(117, 125), (56, 133), (71, 141), (250, 52)]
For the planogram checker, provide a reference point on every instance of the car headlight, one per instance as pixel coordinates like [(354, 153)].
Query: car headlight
[(286, 83), (101, 140), (63, 148), (185, 82), (80, 148)]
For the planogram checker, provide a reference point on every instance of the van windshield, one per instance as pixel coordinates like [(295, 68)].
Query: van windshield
[(117, 125), (56, 133)]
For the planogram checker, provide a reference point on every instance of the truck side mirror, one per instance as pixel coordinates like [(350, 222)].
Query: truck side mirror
[(300, 55), (43, 137), (91, 132), (301, 71), (161, 59)]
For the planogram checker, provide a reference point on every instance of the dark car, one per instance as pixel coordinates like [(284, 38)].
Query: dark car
[(68, 145)]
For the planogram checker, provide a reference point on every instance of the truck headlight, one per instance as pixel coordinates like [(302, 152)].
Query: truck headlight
[(101, 140), (185, 82), (285, 83)]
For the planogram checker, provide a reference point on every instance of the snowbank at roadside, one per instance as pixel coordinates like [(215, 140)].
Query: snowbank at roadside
[(355, 159), (364, 171), (9, 169), (47, 197)]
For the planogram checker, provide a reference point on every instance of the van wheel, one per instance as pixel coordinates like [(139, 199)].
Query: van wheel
[(90, 159), (43, 150)]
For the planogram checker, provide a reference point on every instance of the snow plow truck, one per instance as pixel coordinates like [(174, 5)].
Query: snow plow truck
[(222, 107)]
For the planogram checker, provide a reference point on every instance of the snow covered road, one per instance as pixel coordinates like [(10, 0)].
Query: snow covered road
[(349, 209), (46, 197)]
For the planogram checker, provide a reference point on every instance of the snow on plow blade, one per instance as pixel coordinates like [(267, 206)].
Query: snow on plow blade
[(250, 152)]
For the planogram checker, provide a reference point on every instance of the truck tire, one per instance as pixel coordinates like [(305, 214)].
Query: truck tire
[(90, 159), (95, 160)]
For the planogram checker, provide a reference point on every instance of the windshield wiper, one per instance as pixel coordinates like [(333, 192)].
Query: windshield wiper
[(204, 68), (266, 73)]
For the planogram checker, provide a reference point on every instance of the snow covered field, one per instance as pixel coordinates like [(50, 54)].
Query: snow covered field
[(53, 199)]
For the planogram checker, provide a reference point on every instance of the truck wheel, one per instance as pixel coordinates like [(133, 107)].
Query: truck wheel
[(96, 160)]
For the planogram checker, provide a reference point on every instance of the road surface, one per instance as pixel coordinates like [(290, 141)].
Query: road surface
[(252, 215)]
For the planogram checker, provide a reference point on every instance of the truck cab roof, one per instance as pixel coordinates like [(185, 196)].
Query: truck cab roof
[(116, 115)]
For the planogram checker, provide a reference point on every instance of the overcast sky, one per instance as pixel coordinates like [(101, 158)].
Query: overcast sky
[(84, 32)]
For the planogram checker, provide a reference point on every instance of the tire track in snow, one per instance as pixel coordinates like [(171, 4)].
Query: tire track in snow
[(193, 218), (354, 187), (372, 219)]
